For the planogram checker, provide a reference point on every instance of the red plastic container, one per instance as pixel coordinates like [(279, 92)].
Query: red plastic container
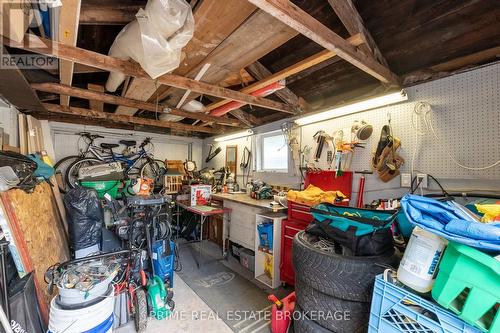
[(281, 319)]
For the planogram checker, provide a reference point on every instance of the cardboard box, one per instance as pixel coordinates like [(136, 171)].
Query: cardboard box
[(200, 194)]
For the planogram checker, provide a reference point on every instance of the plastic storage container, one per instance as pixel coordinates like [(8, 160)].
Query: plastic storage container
[(104, 186), (266, 235), (247, 259), (397, 310), (468, 283), (420, 260)]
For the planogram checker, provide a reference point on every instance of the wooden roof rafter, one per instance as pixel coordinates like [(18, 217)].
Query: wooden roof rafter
[(296, 68), (349, 15), (295, 17), (208, 35)]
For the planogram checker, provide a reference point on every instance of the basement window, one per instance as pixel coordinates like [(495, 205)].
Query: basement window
[(272, 153)]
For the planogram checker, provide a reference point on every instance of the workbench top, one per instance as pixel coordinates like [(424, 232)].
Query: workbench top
[(243, 198)]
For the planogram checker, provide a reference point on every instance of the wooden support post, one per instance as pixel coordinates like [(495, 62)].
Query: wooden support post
[(68, 32), (94, 104)]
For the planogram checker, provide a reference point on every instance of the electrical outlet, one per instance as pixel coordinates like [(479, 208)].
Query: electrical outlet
[(405, 179), (422, 179)]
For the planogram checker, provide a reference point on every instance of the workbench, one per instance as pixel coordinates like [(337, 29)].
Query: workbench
[(243, 214)]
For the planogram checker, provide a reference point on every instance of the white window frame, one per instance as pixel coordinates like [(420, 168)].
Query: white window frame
[(259, 158)]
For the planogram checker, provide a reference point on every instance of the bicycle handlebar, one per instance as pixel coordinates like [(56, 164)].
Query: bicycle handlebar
[(91, 137), (145, 142)]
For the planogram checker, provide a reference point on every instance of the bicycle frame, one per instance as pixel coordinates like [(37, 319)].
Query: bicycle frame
[(129, 161), (108, 157)]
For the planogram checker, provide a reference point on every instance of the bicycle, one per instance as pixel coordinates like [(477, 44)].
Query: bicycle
[(141, 163)]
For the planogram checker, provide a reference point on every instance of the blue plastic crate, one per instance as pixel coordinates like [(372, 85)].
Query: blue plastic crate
[(396, 310)]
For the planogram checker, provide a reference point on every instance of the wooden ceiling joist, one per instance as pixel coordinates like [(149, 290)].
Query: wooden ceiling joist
[(451, 67), (247, 118), (260, 72), (214, 20), (295, 17), (309, 62), (118, 100), (349, 15), (81, 112), (94, 59), (98, 12), (256, 37)]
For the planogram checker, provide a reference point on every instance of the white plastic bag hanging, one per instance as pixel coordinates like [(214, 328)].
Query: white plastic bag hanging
[(155, 39)]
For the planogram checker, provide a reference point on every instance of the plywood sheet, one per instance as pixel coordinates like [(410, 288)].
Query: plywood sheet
[(40, 233)]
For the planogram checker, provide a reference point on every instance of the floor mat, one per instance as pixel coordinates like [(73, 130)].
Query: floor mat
[(241, 304)]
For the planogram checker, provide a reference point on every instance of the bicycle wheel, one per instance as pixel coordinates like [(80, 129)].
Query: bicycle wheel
[(72, 172), (61, 167), (153, 169)]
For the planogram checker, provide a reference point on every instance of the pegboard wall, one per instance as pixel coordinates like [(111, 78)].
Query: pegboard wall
[(465, 116)]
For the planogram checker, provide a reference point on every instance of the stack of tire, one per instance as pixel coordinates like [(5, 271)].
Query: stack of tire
[(333, 291)]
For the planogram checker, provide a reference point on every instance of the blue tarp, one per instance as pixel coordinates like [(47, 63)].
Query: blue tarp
[(446, 220)]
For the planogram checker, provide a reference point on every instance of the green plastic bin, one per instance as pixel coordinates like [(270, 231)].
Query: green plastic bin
[(468, 284), (104, 186)]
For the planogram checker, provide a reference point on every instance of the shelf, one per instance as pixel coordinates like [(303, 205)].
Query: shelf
[(265, 250), (265, 280)]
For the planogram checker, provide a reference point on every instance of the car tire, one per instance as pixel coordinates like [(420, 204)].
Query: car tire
[(302, 324), (346, 277), (331, 313)]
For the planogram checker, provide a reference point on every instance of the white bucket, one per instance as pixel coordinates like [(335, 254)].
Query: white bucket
[(97, 318), (75, 296)]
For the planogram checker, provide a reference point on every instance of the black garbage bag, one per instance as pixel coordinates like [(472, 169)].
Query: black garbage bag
[(23, 167), (85, 217), (24, 312)]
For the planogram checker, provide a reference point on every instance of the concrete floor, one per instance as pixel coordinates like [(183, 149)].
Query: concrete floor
[(192, 314)]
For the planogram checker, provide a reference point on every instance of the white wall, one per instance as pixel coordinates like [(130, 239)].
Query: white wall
[(465, 115), (170, 147), (9, 122)]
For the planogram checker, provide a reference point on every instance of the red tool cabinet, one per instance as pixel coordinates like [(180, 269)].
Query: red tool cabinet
[(299, 216)]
